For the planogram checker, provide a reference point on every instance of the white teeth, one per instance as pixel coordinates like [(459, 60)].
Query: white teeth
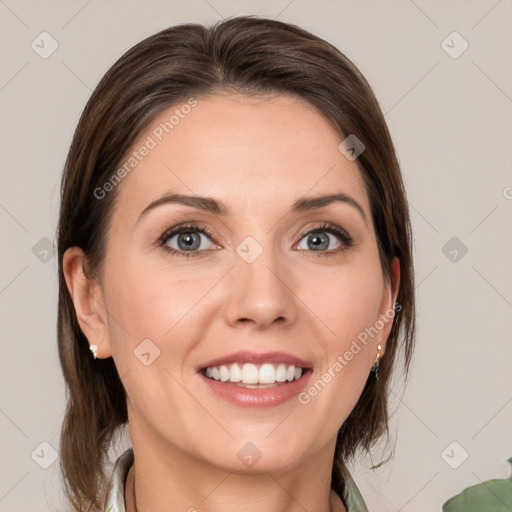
[(266, 373), (249, 374), (281, 373), (223, 373), (235, 373)]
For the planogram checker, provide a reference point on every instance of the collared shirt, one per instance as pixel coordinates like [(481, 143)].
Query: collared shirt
[(115, 496)]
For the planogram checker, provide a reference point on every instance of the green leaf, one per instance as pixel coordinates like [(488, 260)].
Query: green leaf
[(491, 496)]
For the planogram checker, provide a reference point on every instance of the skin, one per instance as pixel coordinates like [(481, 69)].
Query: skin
[(257, 155)]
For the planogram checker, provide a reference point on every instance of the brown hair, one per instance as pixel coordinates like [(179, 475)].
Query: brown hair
[(251, 55)]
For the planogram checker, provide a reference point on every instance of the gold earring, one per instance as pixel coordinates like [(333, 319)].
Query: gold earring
[(94, 350), (375, 367)]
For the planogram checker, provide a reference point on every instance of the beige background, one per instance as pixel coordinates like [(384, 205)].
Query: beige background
[(451, 121)]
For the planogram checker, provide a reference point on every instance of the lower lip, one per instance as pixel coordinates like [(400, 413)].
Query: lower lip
[(257, 397)]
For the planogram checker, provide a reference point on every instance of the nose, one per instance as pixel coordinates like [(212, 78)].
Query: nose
[(260, 293)]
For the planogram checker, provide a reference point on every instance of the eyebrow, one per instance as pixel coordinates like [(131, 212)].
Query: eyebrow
[(216, 207)]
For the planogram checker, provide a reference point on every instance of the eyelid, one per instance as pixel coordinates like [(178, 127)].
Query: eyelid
[(331, 228), (184, 227), (346, 240)]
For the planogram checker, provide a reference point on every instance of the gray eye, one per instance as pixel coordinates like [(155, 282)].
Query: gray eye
[(318, 240), (188, 241)]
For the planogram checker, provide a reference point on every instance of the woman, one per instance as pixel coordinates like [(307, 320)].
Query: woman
[(235, 250)]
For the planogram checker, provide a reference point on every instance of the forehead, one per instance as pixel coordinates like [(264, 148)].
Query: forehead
[(245, 151)]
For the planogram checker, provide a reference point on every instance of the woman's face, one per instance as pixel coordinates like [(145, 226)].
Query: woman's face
[(267, 278)]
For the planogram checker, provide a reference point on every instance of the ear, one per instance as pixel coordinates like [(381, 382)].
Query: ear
[(387, 308), (88, 300)]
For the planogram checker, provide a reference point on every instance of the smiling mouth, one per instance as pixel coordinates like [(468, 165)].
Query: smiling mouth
[(248, 375)]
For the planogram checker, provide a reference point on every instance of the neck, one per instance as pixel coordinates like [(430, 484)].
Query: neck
[(168, 479), (334, 502)]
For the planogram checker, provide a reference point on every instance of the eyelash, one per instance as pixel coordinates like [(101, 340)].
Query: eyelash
[(346, 239)]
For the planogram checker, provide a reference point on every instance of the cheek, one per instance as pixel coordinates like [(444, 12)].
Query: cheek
[(151, 302), (347, 300), (153, 325), (149, 298), (347, 304)]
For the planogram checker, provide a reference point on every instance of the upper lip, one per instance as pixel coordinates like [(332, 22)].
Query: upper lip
[(245, 356)]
